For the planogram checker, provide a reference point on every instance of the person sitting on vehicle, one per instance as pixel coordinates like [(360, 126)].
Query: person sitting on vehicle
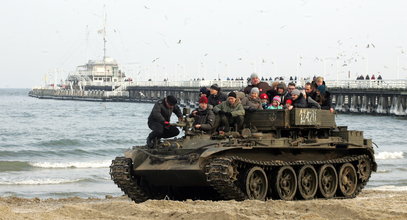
[(204, 118), (298, 100), (276, 103), (264, 100), (252, 102), (288, 103), (263, 87), (216, 96), (319, 81), (159, 120), (281, 91), (324, 98), (310, 90), (231, 113), (203, 91), (290, 88)]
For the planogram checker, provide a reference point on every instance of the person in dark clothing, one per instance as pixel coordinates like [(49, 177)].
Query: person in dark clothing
[(310, 90), (290, 87), (281, 91), (204, 92), (231, 113), (319, 81), (324, 98), (204, 118), (216, 96), (298, 100), (159, 120), (263, 87)]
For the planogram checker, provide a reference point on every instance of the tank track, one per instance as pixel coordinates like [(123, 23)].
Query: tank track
[(121, 174), (218, 174)]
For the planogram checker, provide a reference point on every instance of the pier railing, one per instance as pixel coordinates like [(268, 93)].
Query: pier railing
[(345, 84), (351, 84), (367, 84)]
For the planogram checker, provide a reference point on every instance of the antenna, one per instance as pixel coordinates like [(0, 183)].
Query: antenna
[(104, 44), (87, 43), (104, 35)]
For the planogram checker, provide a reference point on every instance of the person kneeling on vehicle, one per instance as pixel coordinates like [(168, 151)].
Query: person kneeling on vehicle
[(204, 118), (231, 113), (159, 119)]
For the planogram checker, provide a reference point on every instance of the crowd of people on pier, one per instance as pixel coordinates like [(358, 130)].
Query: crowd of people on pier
[(218, 112), (373, 77)]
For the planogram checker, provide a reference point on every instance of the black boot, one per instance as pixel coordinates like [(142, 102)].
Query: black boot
[(150, 141)]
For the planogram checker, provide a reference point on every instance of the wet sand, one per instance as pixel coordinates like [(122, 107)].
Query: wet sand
[(370, 204)]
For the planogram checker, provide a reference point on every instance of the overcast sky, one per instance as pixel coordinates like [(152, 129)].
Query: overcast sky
[(189, 39)]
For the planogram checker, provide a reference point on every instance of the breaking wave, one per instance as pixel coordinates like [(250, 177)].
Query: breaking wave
[(47, 181), (390, 188), (389, 155), (89, 164)]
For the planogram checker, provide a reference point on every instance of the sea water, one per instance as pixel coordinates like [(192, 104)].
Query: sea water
[(53, 149)]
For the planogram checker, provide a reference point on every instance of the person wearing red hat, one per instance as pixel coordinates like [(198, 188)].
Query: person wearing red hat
[(204, 118), (264, 100), (288, 103)]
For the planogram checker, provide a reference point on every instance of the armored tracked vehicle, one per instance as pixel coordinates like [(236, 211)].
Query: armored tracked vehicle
[(280, 154)]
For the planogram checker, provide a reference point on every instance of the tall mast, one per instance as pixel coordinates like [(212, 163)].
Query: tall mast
[(104, 35), (104, 44)]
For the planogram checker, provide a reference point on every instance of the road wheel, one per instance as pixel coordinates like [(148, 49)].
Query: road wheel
[(256, 184), (307, 182), (347, 180), (286, 183), (327, 180)]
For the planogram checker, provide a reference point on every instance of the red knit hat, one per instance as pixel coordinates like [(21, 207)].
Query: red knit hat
[(203, 99), (289, 101), (264, 96)]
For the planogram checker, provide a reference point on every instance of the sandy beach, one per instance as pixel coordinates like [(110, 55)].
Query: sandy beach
[(371, 204)]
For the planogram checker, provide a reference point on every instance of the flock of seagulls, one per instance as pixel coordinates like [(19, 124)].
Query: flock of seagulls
[(342, 55)]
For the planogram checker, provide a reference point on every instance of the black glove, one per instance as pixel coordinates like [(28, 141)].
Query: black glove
[(221, 112), (251, 109), (228, 114)]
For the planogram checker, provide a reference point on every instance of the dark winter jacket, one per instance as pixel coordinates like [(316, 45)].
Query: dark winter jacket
[(206, 118), (161, 113), (312, 94), (325, 100), (312, 103), (263, 88), (272, 93), (217, 99), (300, 102)]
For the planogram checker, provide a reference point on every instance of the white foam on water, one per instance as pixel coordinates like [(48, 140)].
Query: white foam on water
[(45, 181), (89, 164), (383, 171), (390, 188), (389, 155)]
